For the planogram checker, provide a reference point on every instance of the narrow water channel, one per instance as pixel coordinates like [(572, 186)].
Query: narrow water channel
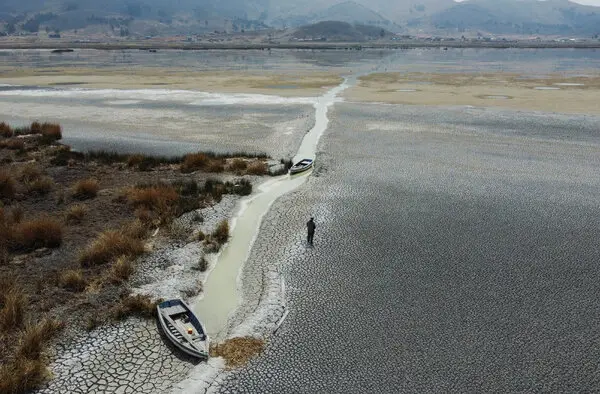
[(221, 293)]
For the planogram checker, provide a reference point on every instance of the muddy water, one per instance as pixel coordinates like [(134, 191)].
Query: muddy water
[(221, 293)]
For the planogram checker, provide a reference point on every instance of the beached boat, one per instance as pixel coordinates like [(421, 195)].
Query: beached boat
[(183, 328), (302, 165)]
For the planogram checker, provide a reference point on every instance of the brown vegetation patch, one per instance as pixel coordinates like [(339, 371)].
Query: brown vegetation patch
[(75, 213), (221, 233), (121, 270), (43, 231), (257, 167), (86, 189), (13, 303), (194, 161), (8, 186), (22, 375), (13, 144), (110, 245), (5, 130), (237, 351), (138, 305), (73, 280), (33, 338)]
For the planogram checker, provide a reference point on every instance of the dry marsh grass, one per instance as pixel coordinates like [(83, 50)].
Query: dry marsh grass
[(110, 245), (237, 351), (8, 185), (138, 305), (13, 144), (73, 280), (40, 186), (75, 213), (22, 375), (43, 231), (155, 197), (14, 303), (221, 232), (86, 189), (5, 130), (121, 270), (194, 161), (237, 165), (30, 173), (32, 340), (257, 167)]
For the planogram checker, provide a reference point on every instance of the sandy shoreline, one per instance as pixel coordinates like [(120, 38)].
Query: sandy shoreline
[(300, 84), (552, 93)]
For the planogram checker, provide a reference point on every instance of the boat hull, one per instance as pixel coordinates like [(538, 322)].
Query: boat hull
[(176, 318)]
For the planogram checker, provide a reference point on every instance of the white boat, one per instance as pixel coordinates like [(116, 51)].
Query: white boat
[(302, 165), (183, 328)]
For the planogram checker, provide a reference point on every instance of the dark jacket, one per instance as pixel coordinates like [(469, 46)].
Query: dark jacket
[(311, 226)]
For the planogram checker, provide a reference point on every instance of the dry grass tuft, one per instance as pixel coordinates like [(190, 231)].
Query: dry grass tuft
[(33, 338), (41, 185), (121, 270), (110, 245), (43, 231), (13, 144), (221, 233), (238, 165), (30, 173), (257, 167), (75, 213), (85, 189), (237, 351), (5, 130), (8, 186), (138, 305), (73, 280), (135, 160), (136, 229), (194, 161), (22, 375), (215, 166), (159, 198), (51, 131), (14, 303)]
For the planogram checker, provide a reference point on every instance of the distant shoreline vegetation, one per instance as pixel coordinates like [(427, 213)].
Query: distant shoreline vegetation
[(321, 45)]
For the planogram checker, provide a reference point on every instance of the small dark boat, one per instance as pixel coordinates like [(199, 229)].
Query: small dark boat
[(302, 165), (65, 50), (183, 328)]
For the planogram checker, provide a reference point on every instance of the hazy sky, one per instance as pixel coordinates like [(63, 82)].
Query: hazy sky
[(586, 2)]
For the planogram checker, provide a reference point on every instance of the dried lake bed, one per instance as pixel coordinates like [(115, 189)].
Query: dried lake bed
[(456, 245)]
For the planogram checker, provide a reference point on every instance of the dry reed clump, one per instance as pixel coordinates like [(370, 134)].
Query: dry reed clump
[(13, 144), (257, 167), (86, 189), (50, 131), (194, 161), (32, 340), (22, 375), (43, 231), (215, 166), (75, 213), (5, 130), (30, 173), (221, 232), (237, 165), (121, 270), (8, 185), (237, 351), (13, 304), (159, 198), (40, 186), (135, 160), (138, 305), (72, 280), (135, 229), (110, 245)]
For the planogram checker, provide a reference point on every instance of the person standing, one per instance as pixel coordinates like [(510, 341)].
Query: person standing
[(310, 227)]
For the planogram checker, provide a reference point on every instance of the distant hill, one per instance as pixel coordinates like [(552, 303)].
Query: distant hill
[(528, 17), (160, 17), (339, 31)]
